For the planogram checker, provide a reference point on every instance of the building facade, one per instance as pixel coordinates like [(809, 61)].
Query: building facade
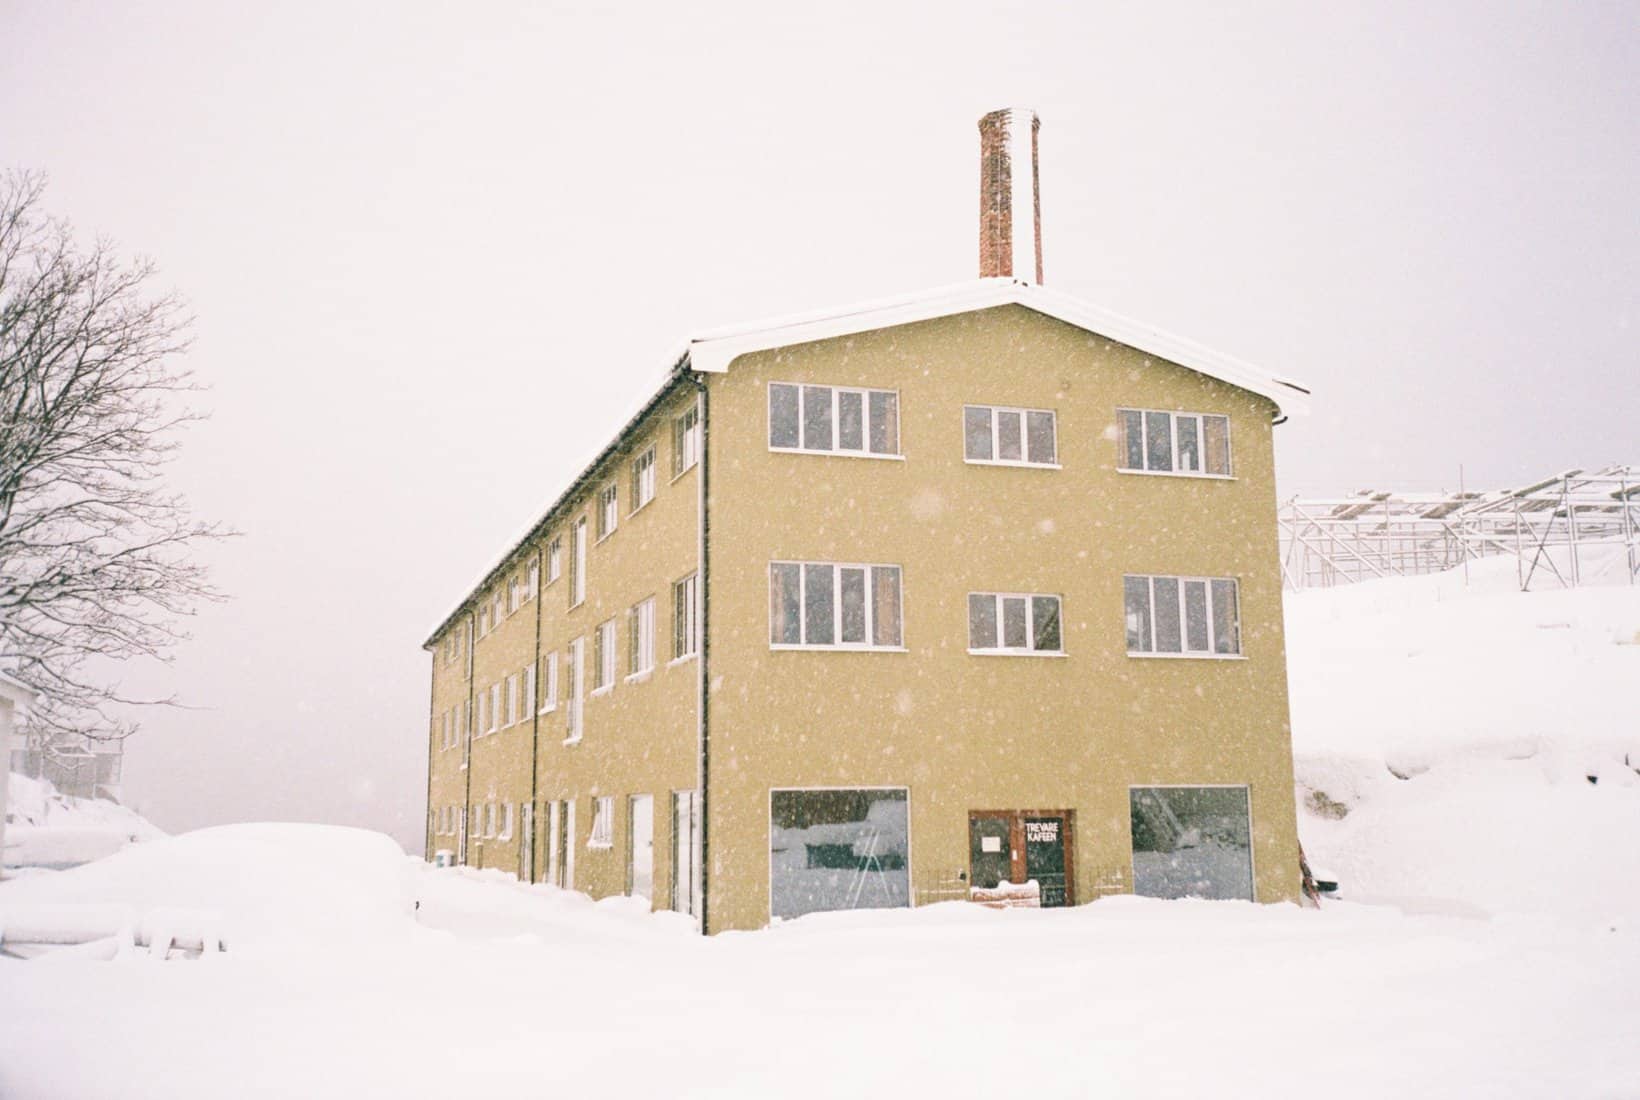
[(969, 594)]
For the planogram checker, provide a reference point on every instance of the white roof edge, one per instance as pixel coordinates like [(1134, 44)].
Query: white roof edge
[(712, 351)]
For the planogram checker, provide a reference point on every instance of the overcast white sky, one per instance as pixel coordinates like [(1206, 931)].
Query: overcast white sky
[(436, 252)]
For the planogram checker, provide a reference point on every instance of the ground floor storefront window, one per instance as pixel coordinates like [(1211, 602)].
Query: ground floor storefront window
[(1191, 842), (838, 849)]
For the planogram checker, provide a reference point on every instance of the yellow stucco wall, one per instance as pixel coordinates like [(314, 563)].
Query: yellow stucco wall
[(965, 732)]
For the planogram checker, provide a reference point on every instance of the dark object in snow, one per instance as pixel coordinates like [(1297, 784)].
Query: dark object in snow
[(1307, 883)]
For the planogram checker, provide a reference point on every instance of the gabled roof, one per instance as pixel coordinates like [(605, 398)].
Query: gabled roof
[(714, 350)]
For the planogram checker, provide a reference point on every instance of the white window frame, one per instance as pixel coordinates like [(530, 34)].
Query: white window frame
[(1029, 649), (1024, 438), (548, 700), (576, 670), (555, 558), (686, 440), (1174, 417), (604, 642), (643, 478), (602, 834), (641, 640), (481, 727), (509, 702), (609, 510), (495, 707), (484, 618), (688, 588), (515, 593), (837, 607), (837, 448), (535, 580), (578, 563), (1184, 633)]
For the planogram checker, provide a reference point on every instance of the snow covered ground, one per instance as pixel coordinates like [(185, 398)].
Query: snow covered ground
[(1489, 943), (47, 829)]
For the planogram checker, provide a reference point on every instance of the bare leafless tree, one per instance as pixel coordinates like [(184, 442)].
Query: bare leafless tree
[(98, 559)]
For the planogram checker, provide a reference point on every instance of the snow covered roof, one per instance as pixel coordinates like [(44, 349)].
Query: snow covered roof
[(712, 351)]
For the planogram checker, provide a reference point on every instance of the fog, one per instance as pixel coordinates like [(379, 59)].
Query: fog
[(436, 253)]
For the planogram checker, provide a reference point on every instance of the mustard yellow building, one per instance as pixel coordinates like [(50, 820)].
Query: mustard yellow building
[(972, 593)]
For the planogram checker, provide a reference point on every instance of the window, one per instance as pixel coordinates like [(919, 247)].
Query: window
[(686, 617), (1174, 443), (643, 479), (686, 441), (838, 849), (609, 511), (548, 682), (526, 692), (555, 559), (603, 823), (510, 703), (833, 420), (640, 638), (1000, 622), (1024, 437), (578, 563), (1191, 842), (819, 604), (535, 580), (489, 819), (483, 713), (506, 821), (574, 663), (463, 709), (484, 620), (515, 592), (497, 602), (1184, 616), (495, 706), (603, 657)]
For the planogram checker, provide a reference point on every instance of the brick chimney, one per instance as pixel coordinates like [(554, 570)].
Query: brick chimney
[(1010, 199)]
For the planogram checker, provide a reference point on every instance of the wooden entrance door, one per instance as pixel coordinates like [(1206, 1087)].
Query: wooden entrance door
[(1020, 845)]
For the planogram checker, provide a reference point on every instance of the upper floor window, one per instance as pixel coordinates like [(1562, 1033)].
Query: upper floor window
[(603, 657), (640, 640), (685, 440), (555, 558), (578, 563), (821, 604), (1023, 437), (495, 706), (510, 702), (484, 619), (548, 682), (515, 592), (535, 580), (603, 822), (1000, 622), (1183, 616), (574, 662), (609, 510), (686, 617), (1174, 442), (643, 479), (831, 419)]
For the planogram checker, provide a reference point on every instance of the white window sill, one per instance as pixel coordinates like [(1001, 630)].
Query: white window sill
[(683, 471), (640, 677), (685, 659), (1017, 653), (576, 740), (600, 844), (578, 603), (1177, 473), (1010, 462), (640, 508), (605, 690), (839, 648), (834, 454), (548, 710), (601, 539), (1188, 656)]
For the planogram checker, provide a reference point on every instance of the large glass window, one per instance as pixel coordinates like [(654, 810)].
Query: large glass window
[(1174, 443), (999, 622), (823, 604), (1025, 437), (1191, 842), (1186, 616), (838, 849), (833, 420)]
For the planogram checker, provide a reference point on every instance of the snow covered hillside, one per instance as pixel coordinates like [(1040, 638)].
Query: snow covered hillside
[(1487, 943), (1471, 749)]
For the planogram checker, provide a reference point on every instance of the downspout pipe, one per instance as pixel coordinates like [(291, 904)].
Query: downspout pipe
[(535, 706), (702, 839)]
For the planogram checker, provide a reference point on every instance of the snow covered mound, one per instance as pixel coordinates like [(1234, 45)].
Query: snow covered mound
[(1471, 749), (52, 830), (263, 884)]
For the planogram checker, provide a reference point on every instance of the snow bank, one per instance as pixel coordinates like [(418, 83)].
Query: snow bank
[(266, 885), (1470, 749), (52, 830)]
